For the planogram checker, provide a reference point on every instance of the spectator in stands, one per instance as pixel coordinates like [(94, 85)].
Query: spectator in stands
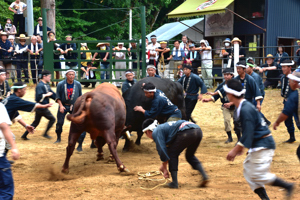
[(1, 28), (151, 47), (206, 63), (184, 44), (104, 56), (38, 30), (164, 58), (178, 57), (147, 51), (5, 52), (281, 55), (85, 56), (22, 58), (120, 65), (89, 74), (226, 53), (10, 29), (34, 50), (14, 63), (18, 8), (67, 49), (271, 70), (41, 61), (134, 55), (298, 54), (193, 58), (242, 53), (51, 37)]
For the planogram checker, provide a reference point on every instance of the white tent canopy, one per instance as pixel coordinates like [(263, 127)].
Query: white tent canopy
[(170, 30)]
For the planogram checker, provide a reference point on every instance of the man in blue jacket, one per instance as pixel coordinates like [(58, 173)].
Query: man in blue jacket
[(171, 138), (258, 139), (160, 104)]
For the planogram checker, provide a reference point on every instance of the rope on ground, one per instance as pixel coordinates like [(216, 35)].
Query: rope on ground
[(146, 177)]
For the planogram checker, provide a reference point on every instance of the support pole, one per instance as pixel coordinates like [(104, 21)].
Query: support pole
[(130, 35), (143, 29), (47, 48), (236, 53), (30, 23)]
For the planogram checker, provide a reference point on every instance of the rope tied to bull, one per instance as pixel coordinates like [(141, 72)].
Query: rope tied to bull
[(146, 177), (161, 65)]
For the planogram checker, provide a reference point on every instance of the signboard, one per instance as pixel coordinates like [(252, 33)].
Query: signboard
[(206, 4), (219, 24)]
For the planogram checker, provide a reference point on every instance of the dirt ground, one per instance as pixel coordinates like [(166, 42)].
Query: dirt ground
[(37, 173)]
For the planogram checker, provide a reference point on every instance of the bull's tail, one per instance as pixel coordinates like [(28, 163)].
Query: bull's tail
[(81, 113)]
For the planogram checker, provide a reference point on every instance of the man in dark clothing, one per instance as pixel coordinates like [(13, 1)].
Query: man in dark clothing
[(38, 30), (104, 56), (129, 82), (5, 52), (134, 55), (67, 50), (160, 104), (258, 139), (34, 50), (171, 139), (193, 58), (4, 86), (191, 85), (22, 58), (42, 94)]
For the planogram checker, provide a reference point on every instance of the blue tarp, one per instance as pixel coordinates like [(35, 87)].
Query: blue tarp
[(170, 30)]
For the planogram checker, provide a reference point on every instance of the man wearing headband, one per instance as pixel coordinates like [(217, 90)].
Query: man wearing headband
[(164, 58), (67, 49), (67, 92), (227, 107), (258, 139), (152, 47), (286, 91), (129, 82), (171, 139), (292, 104), (151, 71), (15, 103), (42, 94), (191, 85), (160, 104), (4, 86)]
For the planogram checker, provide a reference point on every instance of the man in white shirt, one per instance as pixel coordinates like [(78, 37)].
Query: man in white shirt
[(6, 186), (184, 44), (152, 47), (120, 65), (206, 65), (18, 8)]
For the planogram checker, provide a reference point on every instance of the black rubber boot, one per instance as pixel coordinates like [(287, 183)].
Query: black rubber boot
[(229, 137), (238, 135), (80, 141), (47, 136), (58, 138), (261, 192), (292, 138), (93, 144), (288, 186), (204, 175), (298, 152), (174, 183), (24, 136)]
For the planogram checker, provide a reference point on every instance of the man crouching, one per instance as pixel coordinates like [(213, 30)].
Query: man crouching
[(258, 139), (171, 139)]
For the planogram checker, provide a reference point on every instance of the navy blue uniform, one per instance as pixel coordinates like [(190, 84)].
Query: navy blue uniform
[(157, 76), (191, 86), (127, 84), (161, 105), (252, 89), (4, 89)]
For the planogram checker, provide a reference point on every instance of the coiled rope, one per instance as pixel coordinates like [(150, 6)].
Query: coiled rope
[(146, 177)]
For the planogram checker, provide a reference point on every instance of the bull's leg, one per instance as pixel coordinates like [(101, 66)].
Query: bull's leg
[(112, 144), (73, 137), (139, 136), (100, 142)]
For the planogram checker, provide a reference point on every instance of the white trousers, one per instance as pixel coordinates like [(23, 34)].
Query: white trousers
[(206, 70), (166, 73), (257, 168), (120, 74)]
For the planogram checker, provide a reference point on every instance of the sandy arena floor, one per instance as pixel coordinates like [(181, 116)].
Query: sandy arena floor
[(37, 173)]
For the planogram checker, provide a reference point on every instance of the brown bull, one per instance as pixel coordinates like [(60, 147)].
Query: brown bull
[(102, 113)]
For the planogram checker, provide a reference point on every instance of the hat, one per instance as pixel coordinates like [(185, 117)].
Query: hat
[(187, 66), (227, 40), (107, 38), (163, 42), (11, 37), (241, 64), (287, 62), (120, 43), (236, 39), (69, 35), (2, 71), (3, 33), (228, 71), (101, 43), (204, 42), (191, 45), (18, 85), (270, 56), (298, 41), (153, 36), (83, 44), (151, 66), (22, 37), (40, 19)]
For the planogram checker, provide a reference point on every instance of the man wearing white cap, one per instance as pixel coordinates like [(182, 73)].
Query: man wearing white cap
[(120, 65), (151, 71), (67, 92), (38, 30)]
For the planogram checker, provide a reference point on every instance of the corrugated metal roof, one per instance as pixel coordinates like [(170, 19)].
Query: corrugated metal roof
[(170, 30)]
